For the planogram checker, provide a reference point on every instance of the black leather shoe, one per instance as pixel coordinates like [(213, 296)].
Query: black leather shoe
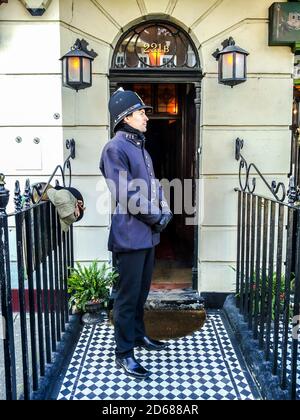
[(150, 344), (132, 367)]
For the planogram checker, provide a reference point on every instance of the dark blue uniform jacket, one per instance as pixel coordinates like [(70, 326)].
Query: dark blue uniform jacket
[(124, 160)]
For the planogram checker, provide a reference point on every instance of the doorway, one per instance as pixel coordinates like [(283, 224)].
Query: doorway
[(170, 140)]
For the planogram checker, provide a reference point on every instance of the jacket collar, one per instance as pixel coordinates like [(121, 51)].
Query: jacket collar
[(133, 138)]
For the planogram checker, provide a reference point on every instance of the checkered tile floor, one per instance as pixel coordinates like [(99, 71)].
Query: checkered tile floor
[(203, 366)]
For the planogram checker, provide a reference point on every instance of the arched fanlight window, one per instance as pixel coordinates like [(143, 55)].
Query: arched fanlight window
[(155, 45)]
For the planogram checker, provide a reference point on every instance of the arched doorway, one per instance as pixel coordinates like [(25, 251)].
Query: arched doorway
[(159, 61)]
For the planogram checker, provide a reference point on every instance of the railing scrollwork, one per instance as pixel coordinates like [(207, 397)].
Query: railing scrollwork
[(278, 190), (39, 189)]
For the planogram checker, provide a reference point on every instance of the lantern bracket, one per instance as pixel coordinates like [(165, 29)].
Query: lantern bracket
[(82, 45)]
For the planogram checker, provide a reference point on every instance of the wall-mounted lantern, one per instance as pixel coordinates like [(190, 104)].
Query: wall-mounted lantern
[(77, 66), (36, 7), (232, 63)]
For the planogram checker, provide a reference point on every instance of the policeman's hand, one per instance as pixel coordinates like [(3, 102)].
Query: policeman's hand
[(163, 222)]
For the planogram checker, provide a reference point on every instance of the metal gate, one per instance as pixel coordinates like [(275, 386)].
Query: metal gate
[(268, 271), (35, 258)]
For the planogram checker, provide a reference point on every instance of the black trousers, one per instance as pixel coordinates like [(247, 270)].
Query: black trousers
[(135, 274)]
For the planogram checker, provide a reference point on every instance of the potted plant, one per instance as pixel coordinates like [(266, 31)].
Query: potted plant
[(89, 289), (282, 294)]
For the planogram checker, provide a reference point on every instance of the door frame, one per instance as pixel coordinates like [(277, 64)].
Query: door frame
[(194, 77)]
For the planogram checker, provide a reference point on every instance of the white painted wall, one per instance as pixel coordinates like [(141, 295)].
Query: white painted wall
[(30, 86), (259, 111)]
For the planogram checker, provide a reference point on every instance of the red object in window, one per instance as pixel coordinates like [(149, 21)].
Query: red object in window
[(154, 58)]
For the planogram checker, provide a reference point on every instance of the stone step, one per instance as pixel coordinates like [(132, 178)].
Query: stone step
[(175, 299)]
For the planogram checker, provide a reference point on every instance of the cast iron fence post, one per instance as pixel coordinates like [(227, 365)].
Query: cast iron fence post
[(296, 314), (19, 218), (6, 298)]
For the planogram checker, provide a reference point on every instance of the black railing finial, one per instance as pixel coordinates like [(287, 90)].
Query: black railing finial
[(4, 195), (293, 194), (27, 194), (18, 197)]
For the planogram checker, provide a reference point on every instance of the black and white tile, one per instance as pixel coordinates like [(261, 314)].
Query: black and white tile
[(203, 366)]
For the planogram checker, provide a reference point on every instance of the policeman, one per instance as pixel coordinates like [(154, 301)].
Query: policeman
[(140, 215)]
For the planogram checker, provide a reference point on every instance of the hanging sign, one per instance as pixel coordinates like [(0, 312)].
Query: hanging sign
[(284, 23)]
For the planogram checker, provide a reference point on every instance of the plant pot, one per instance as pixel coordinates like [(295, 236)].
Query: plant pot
[(95, 313)]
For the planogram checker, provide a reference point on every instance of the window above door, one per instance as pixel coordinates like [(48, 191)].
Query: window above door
[(155, 45)]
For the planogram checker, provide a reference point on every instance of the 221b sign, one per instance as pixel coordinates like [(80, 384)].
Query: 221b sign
[(284, 26)]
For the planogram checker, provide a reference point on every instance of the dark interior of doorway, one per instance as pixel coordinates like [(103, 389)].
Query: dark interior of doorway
[(170, 140)]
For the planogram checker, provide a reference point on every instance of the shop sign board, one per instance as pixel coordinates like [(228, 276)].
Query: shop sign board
[(284, 23)]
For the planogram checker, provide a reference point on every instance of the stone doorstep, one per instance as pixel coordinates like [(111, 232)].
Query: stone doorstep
[(175, 299)]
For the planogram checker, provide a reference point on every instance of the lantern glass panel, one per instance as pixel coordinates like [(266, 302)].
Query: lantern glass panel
[(64, 71), (227, 66), (74, 69), (86, 65), (240, 66)]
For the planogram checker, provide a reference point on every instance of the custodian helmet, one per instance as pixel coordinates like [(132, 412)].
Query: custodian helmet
[(123, 103)]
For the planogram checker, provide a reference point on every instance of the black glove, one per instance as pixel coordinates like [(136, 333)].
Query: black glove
[(163, 222)]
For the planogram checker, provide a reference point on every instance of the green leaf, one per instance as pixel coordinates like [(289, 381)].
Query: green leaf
[(90, 283)]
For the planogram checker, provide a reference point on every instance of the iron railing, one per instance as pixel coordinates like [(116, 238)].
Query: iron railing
[(268, 272), (35, 258)]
